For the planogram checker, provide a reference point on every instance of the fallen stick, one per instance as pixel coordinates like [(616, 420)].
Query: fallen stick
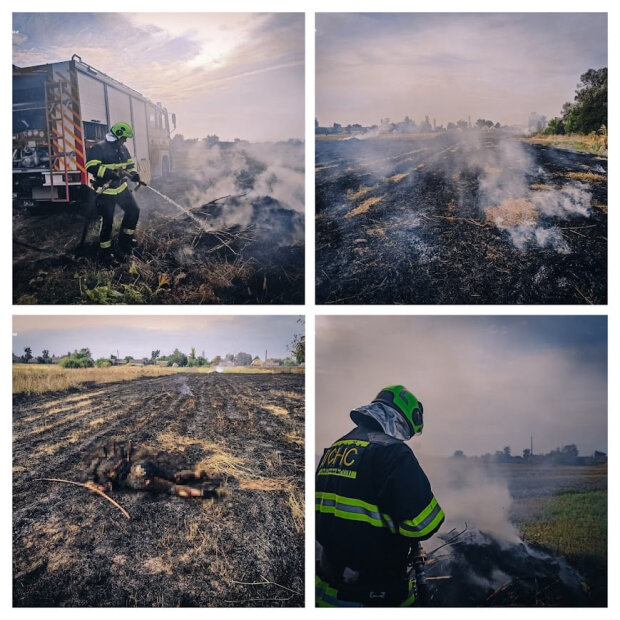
[(86, 486)]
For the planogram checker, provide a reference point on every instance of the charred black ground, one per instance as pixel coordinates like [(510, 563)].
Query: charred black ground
[(72, 548), (424, 221), (240, 246)]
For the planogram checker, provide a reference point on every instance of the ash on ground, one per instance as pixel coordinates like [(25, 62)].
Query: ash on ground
[(236, 236)]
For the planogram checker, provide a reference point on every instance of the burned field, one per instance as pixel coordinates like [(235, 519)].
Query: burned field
[(73, 548), (522, 543), (236, 237), (473, 218)]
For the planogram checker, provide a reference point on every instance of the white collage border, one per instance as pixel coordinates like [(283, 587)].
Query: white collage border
[(309, 309)]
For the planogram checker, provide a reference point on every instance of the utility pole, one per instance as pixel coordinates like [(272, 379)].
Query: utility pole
[(531, 445)]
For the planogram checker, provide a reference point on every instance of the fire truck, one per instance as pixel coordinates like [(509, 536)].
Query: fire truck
[(59, 111)]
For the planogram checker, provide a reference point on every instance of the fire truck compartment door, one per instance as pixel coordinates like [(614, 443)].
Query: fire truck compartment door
[(92, 99)]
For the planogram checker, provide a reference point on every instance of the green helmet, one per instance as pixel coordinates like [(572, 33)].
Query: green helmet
[(400, 398), (122, 130)]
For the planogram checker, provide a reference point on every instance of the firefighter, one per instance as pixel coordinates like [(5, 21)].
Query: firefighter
[(114, 467), (373, 502), (110, 164)]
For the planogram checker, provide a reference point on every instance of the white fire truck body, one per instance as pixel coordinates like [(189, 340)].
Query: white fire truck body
[(63, 108)]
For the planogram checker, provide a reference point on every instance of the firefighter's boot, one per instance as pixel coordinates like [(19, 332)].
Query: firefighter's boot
[(127, 242), (106, 256)]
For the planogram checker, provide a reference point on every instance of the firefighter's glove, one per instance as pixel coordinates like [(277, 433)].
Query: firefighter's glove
[(134, 176), (111, 175)]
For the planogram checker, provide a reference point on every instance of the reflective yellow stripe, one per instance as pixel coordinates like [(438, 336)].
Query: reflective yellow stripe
[(92, 162), (115, 190), (128, 231), (104, 245), (101, 171)]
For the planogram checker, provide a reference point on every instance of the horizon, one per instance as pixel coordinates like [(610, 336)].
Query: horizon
[(104, 335)]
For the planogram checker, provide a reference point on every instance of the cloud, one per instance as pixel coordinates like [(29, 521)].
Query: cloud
[(499, 66), (196, 64), (485, 382)]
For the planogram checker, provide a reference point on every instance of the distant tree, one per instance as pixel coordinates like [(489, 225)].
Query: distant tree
[(458, 454), (506, 451), (526, 454), (461, 124), (298, 346), (78, 359), (154, 355), (128, 358), (27, 356), (451, 126), (44, 358), (243, 359), (555, 126), (177, 357), (103, 362), (216, 360)]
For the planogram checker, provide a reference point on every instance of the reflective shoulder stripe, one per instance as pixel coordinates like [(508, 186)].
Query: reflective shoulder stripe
[(115, 190), (352, 509), (350, 442), (92, 162), (130, 161), (425, 523)]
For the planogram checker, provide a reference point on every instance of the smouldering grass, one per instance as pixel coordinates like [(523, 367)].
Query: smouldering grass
[(364, 206)]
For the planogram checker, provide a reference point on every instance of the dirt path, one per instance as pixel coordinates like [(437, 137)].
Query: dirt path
[(459, 219), (72, 548)]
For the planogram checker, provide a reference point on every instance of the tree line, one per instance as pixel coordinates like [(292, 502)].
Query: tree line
[(83, 358), (587, 113)]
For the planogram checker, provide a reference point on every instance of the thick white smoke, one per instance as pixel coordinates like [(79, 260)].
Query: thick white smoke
[(472, 494)]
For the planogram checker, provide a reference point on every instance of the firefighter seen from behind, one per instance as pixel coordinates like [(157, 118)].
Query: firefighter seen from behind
[(373, 504)]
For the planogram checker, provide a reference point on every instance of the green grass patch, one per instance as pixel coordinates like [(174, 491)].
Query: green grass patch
[(573, 524)]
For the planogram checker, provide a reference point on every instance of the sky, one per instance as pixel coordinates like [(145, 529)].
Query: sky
[(485, 382), (236, 75), (139, 335), (449, 66)]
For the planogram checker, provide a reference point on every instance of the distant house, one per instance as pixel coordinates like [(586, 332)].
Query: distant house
[(134, 362), (161, 363)]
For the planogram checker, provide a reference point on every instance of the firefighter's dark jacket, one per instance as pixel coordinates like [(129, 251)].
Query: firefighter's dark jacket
[(373, 500), (104, 159)]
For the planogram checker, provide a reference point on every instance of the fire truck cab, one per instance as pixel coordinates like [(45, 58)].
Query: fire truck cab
[(59, 111)]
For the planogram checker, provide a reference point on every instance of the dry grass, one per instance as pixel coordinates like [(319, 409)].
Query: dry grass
[(397, 177), (295, 437), (511, 212), (361, 192), (540, 186), (364, 206), (587, 177), (298, 508), (219, 463), (590, 143), (275, 409), (41, 378)]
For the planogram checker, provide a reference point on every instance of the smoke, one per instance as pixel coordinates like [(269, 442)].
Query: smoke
[(472, 494), (256, 170), (511, 200)]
